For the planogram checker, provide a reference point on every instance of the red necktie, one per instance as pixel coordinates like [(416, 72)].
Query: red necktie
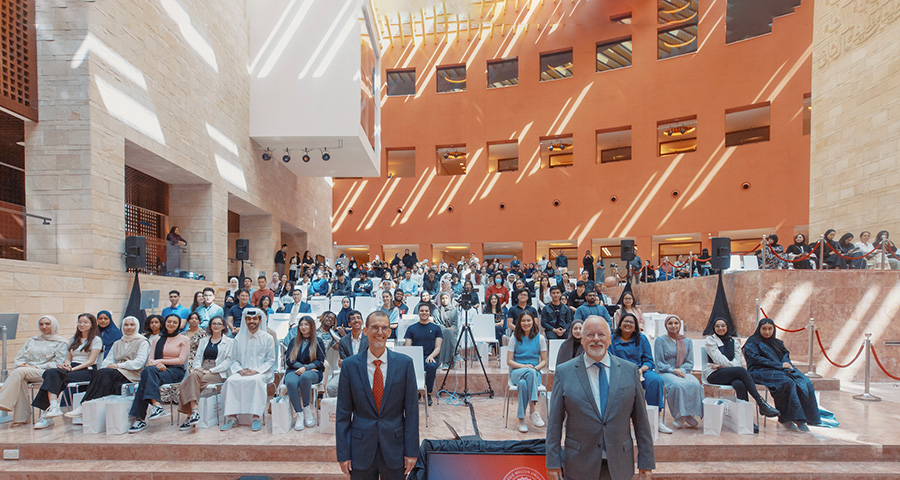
[(378, 385)]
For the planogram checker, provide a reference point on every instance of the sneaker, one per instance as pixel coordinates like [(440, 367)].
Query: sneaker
[(691, 421), (310, 418), (43, 423), (298, 421), (790, 426), (256, 425), (802, 427), (536, 419), (53, 412), (137, 426), (190, 422), (522, 427), (230, 422), (157, 411), (663, 428), (194, 418), (74, 413)]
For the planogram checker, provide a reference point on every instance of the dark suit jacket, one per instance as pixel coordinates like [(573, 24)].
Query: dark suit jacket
[(572, 401), (360, 428), (304, 308), (345, 345)]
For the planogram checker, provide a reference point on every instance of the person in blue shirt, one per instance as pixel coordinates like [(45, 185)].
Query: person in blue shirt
[(363, 287), (236, 313), (176, 308), (629, 344), (592, 307), (515, 263), (562, 261), (209, 309), (426, 334), (319, 286), (340, 286), (408, 285)]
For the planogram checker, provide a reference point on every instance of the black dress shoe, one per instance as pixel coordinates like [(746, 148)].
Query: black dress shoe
[(755, 428), (429, 400), (767, 410)]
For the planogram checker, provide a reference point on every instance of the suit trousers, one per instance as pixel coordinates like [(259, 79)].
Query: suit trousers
[(377, 470), (604, 472)]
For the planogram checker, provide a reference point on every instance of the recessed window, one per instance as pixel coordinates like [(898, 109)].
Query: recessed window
[(613, 55), (677, 41), (503, 73), (678, 31), (401, 162), (677, 136), (451, 79), (622, 18), (751, 18), (556, 65), (807, 113), (557, 151), (614, 144), (747, 125), (503, 156), (452, 159), (401, 82), (670, 12)]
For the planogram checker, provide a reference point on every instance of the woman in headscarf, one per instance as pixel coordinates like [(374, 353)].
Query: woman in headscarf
[(848, 249), (799, 249), (674, 358), (342, 322), (304, 367), (701, 264), (725, 365), (169, 353), (769, 363), (425, 297), (40, 353), (210, 367), (124, 363), (889, 247), (773, 262), (79, 366), (629, 344), (109, 332), (395, 261), (571, 348), (447, 317), (831, 259), (587, 262)]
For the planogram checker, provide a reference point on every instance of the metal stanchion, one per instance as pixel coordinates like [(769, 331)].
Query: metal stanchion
[(821, 250), (757, 310), (883, 259), (866, 396), (811, 373), (763, 256), (691, 263)]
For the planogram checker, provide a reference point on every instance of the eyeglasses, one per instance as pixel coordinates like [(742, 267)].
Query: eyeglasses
[(386, 329)]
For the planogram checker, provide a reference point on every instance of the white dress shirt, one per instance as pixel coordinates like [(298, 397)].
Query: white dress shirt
[(354, 343), (370, 366)]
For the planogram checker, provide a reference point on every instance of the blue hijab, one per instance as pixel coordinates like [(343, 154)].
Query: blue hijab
[(109, 334)]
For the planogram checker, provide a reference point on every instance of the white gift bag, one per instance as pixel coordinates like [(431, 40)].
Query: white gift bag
[(653, 417), (117, 407), (210, 410), (739, 417), (713, 413), (76, 402), (94, 416), (281, 415), (328, 414)]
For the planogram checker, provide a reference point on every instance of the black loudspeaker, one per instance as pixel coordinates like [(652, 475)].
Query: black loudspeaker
[(721, 253), (627, 250), (242, 249), (135, 253)]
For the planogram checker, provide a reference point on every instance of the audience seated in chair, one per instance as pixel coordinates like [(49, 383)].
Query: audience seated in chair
[(526, 356), (253, 364), (169, 352), (304, 367), (210, 366), (674, 358)]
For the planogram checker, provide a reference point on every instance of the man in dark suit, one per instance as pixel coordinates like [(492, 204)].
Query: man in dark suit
[(377, 419), (598, 396), (296, 307)]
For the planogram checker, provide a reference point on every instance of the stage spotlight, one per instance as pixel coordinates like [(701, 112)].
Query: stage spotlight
[(305, 157), (267, 155), (325, 155), (287, 156)]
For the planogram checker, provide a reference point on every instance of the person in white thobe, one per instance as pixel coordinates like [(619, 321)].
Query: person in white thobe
[(252, 368)]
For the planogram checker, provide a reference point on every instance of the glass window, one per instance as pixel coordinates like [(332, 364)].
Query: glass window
[(401, 162), (613, 55), (401, 82), (503, 157), (614, 145), (557, 65), (557, 151), (452, 160), (678, 34), (677, 136), (503, 73), (745, 125), (807, 114), (451, 79), (677, 41), (752, 18)]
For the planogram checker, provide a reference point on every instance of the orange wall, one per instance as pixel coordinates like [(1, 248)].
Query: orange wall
[(774, 67)]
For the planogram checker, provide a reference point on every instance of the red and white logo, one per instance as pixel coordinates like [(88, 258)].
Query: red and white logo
[(524, 473)]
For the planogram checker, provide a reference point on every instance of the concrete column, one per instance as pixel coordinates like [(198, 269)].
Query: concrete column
[(264, 233), (193, 209)]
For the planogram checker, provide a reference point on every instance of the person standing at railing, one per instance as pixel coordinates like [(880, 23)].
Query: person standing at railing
[(800, 249)]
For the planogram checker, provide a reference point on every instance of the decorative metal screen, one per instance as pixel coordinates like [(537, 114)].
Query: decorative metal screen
[(18, 60), (12, 187), (146, 214)]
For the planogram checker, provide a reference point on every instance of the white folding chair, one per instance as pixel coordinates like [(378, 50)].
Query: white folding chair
[(510, 388), (335, 304), (280, 323), (318, 305), (411, 303), (553, 352), (418, 357), (483, 328), (365, 305), (403, 324)]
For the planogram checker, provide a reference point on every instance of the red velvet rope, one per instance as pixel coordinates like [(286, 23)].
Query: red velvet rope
[(839, 253), (822, 347), (800, 259), (882, 366), (782, 329)]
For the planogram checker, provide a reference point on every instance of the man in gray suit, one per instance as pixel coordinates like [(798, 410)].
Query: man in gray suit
[(598, 396)]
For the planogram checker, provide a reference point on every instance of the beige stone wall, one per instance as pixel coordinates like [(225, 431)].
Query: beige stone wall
[(854, 167)]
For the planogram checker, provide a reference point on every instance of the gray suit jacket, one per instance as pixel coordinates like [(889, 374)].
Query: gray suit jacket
[(572, 401)]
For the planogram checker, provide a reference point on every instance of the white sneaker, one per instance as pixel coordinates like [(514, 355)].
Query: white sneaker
[(663, 428), (53, 412), (74, 413), (309, 416), (536, 419), (157, 411), (43, 423), (298, 421), (522, 427)]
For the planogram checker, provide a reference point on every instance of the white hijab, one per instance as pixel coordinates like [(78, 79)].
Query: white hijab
[(242, 339), (54, 335)]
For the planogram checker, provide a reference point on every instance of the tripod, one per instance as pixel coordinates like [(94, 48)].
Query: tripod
[(465, 335)]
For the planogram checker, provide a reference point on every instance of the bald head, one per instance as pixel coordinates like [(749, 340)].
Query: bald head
[(595, 337)]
